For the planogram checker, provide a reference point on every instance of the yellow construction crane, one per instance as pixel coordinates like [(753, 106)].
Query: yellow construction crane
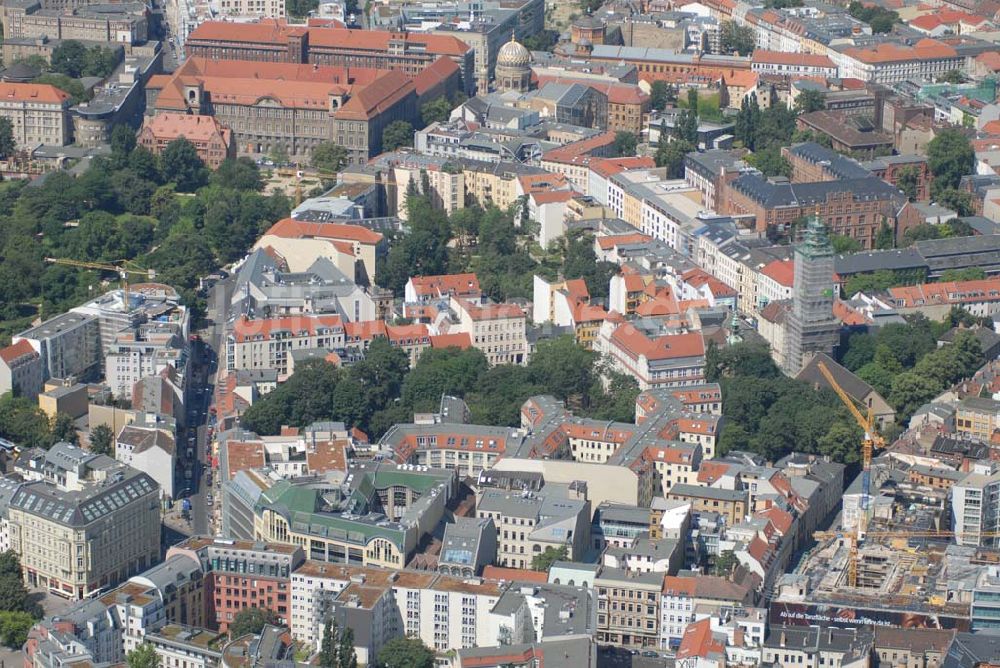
[(123, 268), (872, 441)]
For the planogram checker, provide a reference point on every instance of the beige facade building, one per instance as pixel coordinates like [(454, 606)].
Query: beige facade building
[(83, 522), (496, 329), (120, 23), (20, 370), (447, 186), (39, 114), (268, 344), (628, 607)]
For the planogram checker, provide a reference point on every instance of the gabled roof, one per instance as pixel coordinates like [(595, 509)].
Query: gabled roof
[(290, 228)]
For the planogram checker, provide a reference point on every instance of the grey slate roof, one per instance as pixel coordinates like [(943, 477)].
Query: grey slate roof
[(871, 261), (773, 195), (838, 165)]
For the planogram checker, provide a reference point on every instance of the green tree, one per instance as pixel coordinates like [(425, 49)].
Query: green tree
[(347, 656), (77, 93), (329, 649), (881, 20), (69, 58), (685, 127), (747, 120), (7, 143), (435, 111), (397, 135), (910, 391), (181, 162), (625, 143), (956, 200), (300, 8), (737, 38), (950, 157), (122, 141), (143, 656), (22, 422), (250, 621), (99, 61), (844, 244), (63, 429), (771, 162), (565, 369), (810, 100), (403, 652), (439, 372), (908, 181), (671, 155), (952, 77), (659, 95), (725, 563), (329, 157), (544, 560), (238, 174), (102, 440), (14, 627)]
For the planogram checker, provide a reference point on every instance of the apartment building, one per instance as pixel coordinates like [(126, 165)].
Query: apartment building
[(447, 185), (653, 358), (269, 343), (351, 248), (278, 42), (211, 139), (149, 448), (465, 448), (978, 418), (38, 114), (666, 65), (134, 355), (890, 62), (782, 63), (529, 523), (82, 522), (788, 646), (682, 596), (498, 330), (732, 504), (241, 574), (628, 607), (975, 509), (268, 9), (20, 370)]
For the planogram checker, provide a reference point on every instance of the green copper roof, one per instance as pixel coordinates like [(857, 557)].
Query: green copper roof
[(815, 242)]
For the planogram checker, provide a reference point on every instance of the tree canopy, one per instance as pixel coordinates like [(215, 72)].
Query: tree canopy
[(396, 135), (251, 621), (404, 652), (950, 157)]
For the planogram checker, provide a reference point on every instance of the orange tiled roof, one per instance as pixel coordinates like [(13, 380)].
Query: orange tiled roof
[(194, 128), (246, 329), (461, 340), (31, 92), (634, 342), (16, 350), (925, 49), (439, 71), (607, 167), (781, 271), (446, 284), (609, 242), (290, 228), (950, 292), (785, 58)]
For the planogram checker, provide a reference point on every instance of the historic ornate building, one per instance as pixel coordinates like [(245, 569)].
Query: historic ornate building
[(513, 71)]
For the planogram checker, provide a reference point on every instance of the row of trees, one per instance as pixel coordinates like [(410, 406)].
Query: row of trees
[(18, 611), (771, 414), (903, 363), (381, 390)]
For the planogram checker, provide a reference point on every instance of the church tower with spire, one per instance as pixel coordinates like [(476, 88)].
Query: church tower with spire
[(811, 326)]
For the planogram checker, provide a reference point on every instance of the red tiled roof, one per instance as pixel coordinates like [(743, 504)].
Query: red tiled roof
[(324, 456), (553, 196), (949, 292), (246, 329), (32, 92), (289, 228), (925, 49), (699, 277), (573, 151), (439, 71), (607, 167), (609, 242), (192, 127), (243, 456), (445, 284), (461, 340), (16, 350), (633, 341), (786, 58), (781, 271)]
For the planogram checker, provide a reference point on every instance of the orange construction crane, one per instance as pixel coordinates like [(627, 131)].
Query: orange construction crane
[(872, 441), (122, 267)]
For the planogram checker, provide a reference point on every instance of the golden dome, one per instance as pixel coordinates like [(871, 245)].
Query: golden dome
[(513, 54)]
